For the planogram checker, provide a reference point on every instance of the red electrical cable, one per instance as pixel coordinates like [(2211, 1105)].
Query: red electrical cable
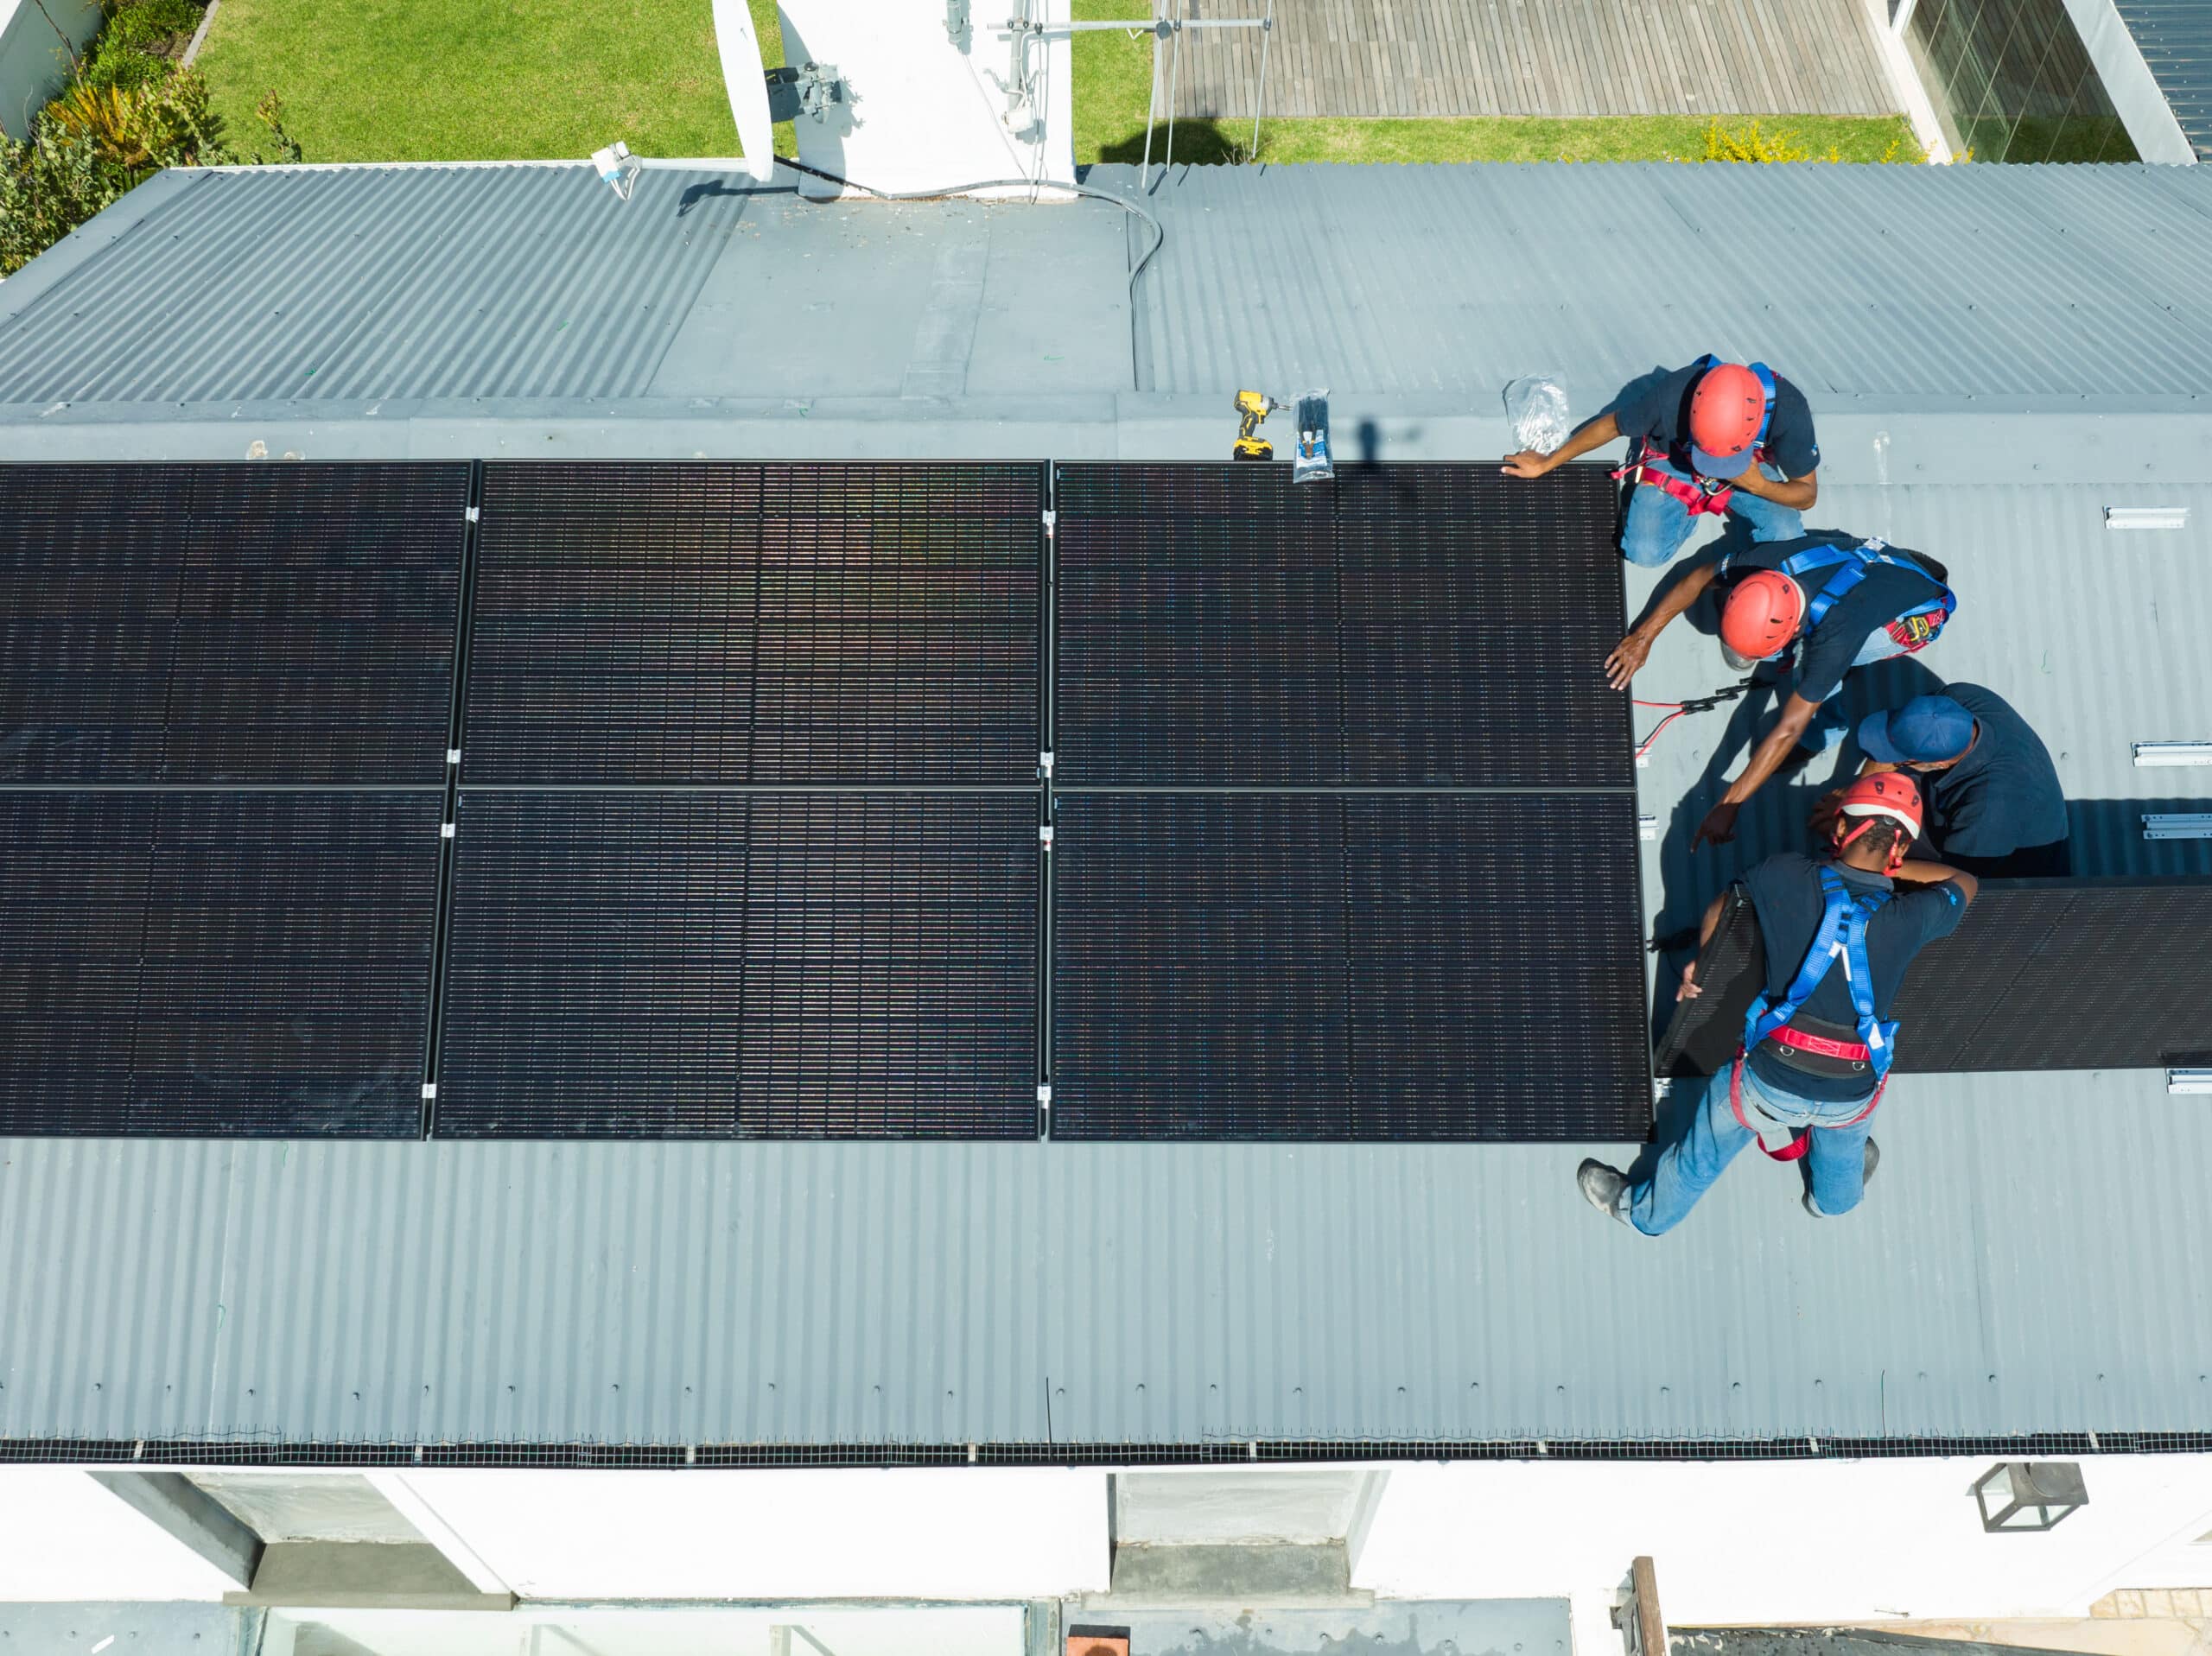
[(1645, 746)]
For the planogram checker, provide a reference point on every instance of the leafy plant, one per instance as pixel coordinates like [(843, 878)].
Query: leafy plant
[(1752, 143), (50, 183), (137, 129)]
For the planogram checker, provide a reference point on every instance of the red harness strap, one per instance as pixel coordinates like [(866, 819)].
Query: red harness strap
[(1800, 1142), (1695, 499), (1853, 1051)]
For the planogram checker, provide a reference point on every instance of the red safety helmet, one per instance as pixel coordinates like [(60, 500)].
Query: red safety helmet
[(1762, 614), (1887, 793), (1727, 409)]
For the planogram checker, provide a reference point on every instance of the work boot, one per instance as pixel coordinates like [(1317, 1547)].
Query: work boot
[(1602, 1186), (1873, 1159)]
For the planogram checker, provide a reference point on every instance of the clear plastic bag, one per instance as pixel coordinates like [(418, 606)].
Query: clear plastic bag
[(1536, 409)]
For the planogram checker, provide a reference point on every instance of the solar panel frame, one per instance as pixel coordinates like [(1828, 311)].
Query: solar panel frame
[(770, 624), (210, 962), (1218, 625), (1283, 965), (720, 962), (202, 623)]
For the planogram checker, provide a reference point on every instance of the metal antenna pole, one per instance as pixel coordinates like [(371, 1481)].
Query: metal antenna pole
[(1152, 106), (1175, 80), (1267, 32)]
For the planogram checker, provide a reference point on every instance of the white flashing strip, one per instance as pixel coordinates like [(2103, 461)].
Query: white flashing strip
[(2147, 753), (2177, 825), (2146, 517), (2189, 1081)]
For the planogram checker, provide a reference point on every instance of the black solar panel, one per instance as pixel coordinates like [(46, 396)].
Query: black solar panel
[(764, 624), (1422, 625), (274, 622), (2043, 974), (196, 963), (1280, 966), (698, 964)]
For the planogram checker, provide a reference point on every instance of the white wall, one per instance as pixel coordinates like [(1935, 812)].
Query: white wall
[(960, 1532), (64, 1537), (928, 114), (32, 63), (1229, 1506), (906, 1631), (1789, 1541)]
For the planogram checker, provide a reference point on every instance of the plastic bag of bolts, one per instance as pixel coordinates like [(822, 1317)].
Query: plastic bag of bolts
[(1535, 407), (1310, 463)]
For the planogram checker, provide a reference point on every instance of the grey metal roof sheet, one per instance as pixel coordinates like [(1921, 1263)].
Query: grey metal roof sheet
[(2033, 1258), (490, 286), (2175, 37)]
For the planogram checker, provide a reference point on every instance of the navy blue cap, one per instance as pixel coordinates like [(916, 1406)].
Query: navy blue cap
[(1927, 730), (1722, 468)]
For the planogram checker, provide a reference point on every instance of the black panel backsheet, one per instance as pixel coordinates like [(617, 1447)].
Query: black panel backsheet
[(761, 624), (673, 965), (1282, 966), (271, 623), (215, 963), (1404, 626), (2041, 974)]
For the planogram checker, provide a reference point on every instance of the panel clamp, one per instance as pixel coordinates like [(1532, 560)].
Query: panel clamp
[(1045, 835), (2189, 1081), (1051, 521), (1044, 763), (473, 514), (429, 1091)]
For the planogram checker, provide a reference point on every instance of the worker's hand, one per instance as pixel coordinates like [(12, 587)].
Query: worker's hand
[(1628, 656), (1689, 990), (1527, 463), (1821, 822), (1718, 827)]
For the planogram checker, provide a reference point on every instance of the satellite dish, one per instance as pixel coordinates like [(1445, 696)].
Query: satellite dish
[(743, 74)]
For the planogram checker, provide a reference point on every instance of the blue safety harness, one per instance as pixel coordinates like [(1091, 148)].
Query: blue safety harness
[(1841, 935), (1915, 628)]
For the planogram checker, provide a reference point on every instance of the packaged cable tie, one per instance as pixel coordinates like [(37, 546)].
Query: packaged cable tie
[(1311, 464), (1535, 407)]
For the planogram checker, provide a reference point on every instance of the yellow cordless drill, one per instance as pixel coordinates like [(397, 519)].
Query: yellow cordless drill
[(1252, 407)]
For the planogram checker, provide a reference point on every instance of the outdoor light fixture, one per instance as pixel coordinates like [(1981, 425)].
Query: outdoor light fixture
[(2018, 1496)]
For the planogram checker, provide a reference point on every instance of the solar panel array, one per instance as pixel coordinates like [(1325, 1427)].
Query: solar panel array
[(715, 799), (1345, 812), (224, 701), (2009, 989)]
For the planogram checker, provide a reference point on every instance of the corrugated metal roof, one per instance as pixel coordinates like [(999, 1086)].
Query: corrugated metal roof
[(376, 282), (2031, 1259), (1894, 281), (2175, 37), (492, 286)]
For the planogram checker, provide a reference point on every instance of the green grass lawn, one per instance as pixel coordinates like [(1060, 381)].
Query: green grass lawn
[(1113, 82), (529, 80), (480, 79)]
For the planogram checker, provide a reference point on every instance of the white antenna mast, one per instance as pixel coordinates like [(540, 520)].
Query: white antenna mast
[(742, 73)]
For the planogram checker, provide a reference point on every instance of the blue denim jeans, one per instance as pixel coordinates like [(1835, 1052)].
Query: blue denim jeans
[(1828, 723), (1686, 1169), (1658, 524)]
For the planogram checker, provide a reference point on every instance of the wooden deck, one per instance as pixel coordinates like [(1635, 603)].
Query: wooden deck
[(1536, 57)]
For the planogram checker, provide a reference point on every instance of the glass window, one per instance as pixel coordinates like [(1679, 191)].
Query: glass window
[(2011, 82)]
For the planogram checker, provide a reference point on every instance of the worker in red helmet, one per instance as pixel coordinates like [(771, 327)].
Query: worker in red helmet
[(1842, 601), (1712, 438), (1819, 1038)]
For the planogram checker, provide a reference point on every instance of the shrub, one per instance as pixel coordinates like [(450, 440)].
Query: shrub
[(1752, 143), (50, 183), (89, 146)]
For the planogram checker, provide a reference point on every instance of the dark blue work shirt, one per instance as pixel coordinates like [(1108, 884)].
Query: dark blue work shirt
[(1661, 416), (1785, 893), (2004, 794), (1830, 648)]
